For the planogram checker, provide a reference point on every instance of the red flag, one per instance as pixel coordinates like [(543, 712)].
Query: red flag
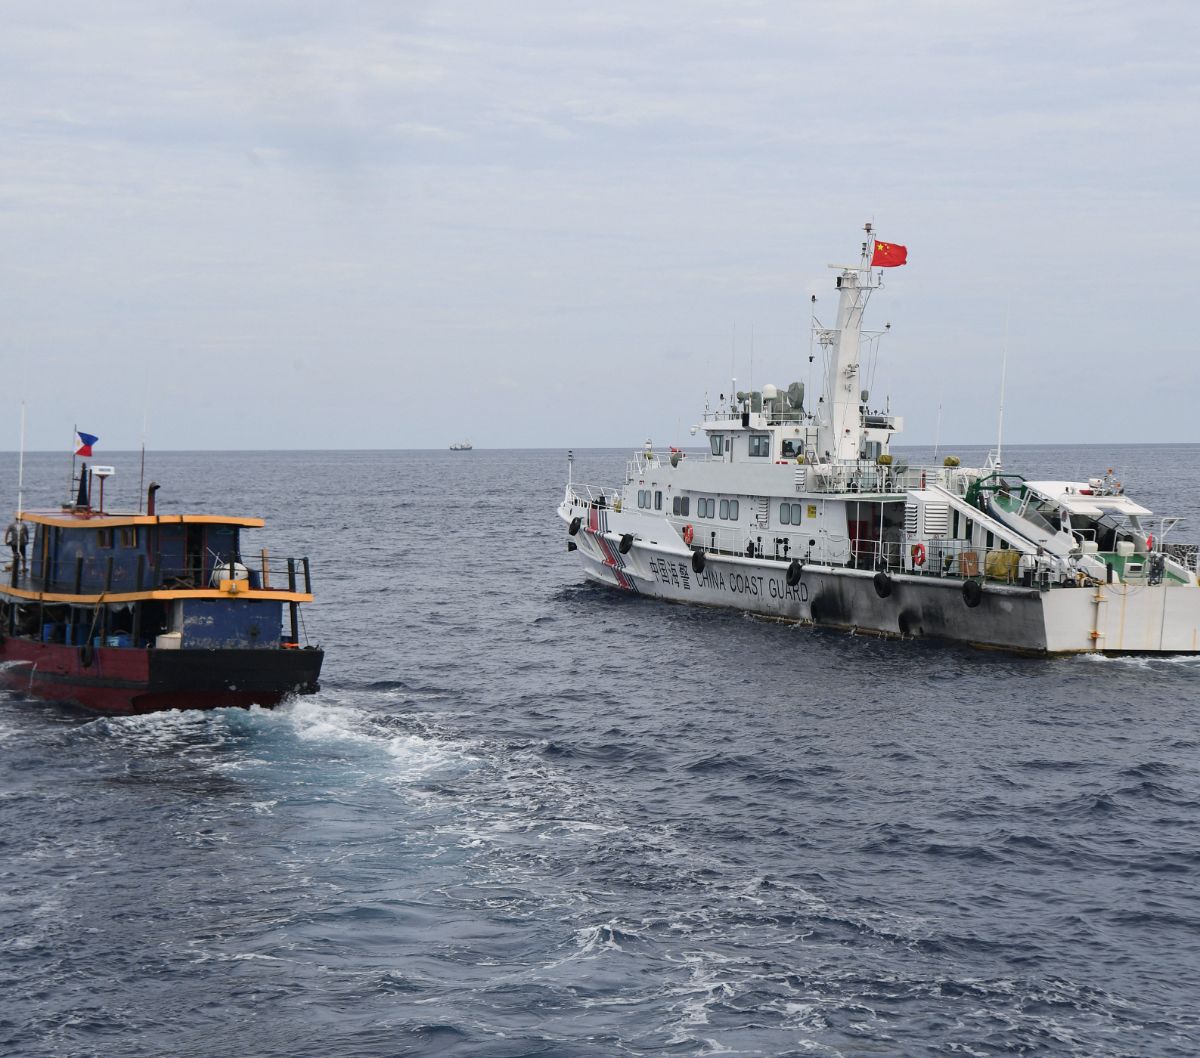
[(888, 255)]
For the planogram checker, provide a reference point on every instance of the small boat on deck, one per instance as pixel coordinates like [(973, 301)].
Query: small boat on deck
[(126, 613)]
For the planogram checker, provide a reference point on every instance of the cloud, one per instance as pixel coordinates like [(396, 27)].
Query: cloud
[(609, 199)]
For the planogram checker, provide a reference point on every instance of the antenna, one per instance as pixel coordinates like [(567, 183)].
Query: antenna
[(812, 319), (1003, 381), (937, 433), (733, 353), (142, 473), (21, 467)]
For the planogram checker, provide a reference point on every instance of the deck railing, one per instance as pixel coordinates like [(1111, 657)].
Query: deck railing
[(862, 476), (121, 574)]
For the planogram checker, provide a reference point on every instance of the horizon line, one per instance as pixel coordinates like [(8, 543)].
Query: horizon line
[(581, 448)]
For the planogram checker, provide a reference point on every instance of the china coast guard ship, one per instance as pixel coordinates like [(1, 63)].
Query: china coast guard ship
[(137, 612), (802, 513)]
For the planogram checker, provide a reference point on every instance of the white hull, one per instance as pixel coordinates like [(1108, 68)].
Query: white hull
[(1110, 618)]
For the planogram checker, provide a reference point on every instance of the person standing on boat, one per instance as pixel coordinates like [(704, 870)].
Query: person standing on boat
[(16, 536)]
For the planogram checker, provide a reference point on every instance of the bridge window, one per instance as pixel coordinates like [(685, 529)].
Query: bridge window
[(681, 505), (658, 499), (760, 444), (714, 442)]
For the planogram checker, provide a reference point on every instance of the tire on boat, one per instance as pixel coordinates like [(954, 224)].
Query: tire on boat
[(625, 544), (572, 546), (87, 654), (794, 570), (576, 522), (972, 593), (883, 584), (698, 561)]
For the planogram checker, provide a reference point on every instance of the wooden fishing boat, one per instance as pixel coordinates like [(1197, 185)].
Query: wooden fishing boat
[(136, 612)]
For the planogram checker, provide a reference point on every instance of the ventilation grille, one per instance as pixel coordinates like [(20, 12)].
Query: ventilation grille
[(937, 519)]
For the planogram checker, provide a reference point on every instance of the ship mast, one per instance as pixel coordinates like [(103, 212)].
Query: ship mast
[(839, 432)]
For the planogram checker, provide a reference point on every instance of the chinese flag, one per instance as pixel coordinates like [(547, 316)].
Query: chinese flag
[(888, 255)]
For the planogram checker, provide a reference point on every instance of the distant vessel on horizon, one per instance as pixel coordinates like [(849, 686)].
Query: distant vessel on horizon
[(461, 446), (803, 513)]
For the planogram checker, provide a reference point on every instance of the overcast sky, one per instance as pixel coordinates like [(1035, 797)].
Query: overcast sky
[(394, 225)]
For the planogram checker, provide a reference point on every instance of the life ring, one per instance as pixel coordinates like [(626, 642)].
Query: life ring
[(918, 554), (698, 561), (576, 522), (1150, 543), (689, 534)]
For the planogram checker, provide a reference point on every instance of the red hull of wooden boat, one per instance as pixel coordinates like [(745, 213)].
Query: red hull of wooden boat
[(126, 680)]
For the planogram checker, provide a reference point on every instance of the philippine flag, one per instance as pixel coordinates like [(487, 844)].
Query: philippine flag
[(84, 442)]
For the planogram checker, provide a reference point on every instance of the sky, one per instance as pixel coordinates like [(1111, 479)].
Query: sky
[(230, 225)]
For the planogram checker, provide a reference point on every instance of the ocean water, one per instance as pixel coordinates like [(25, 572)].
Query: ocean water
[(526, 816)]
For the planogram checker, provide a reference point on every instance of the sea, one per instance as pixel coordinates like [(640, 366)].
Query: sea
[(529, 816)]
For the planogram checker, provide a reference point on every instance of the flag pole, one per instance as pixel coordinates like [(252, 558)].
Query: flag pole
[(71, 483)]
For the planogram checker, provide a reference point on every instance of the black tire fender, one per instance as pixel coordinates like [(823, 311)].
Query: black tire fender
[(698, 561), (883, 584), (972, 593), (87, 654), (576, 522), (625, 544), (794, 571)]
